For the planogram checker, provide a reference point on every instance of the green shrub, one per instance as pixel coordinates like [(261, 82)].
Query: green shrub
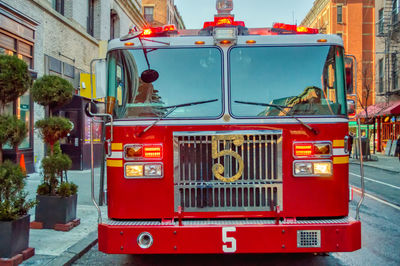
[(52, 91), (53, 167), (74, 188), (52, 129), (67, 189), (15, 79), (13, 203), (43, 189)]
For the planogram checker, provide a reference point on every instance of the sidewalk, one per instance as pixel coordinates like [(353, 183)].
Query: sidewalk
[(388, 163), (59, 248)]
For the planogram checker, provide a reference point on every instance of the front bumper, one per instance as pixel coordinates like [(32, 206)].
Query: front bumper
[(231, 236)]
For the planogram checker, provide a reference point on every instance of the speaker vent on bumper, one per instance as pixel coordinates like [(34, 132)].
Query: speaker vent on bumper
[(308, 238)]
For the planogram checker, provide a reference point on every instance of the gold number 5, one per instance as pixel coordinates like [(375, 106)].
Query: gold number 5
[(218, 169)]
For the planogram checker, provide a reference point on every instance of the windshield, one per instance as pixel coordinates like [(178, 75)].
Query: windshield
[(185, 75), (307, 80)]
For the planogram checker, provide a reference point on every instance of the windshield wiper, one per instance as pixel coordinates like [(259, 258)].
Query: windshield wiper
[(173, 108), (280, 107)]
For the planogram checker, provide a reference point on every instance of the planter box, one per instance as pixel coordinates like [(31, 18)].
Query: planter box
[(14, 237), (52, 210)]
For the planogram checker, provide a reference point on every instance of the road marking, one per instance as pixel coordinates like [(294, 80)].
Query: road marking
[(376, 181), (358, 191)]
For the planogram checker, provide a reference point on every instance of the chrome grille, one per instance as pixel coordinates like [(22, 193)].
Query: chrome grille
[(259, 186), (308, 238)]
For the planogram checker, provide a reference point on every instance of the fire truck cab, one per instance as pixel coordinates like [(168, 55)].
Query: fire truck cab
[(227, 140)]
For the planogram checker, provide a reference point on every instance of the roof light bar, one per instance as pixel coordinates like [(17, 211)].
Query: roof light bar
[(295, 29), (159, 30), (223, 22)]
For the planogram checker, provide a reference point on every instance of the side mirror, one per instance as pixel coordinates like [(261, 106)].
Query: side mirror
[(349, 67), (100, 71), (90, 109), (149, 75), (351, 107)]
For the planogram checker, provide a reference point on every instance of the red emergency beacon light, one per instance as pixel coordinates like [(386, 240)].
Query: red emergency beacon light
[(155, 31), (223, 22), (294, 29)]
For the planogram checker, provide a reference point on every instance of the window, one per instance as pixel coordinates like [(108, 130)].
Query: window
[(395, 12), (395, 73), (114, 25), (149, 13), (381, 75), (194, 75), (340, 34), (316, 83), (380, 21), (58, 5), (90, 26), (339, 14)]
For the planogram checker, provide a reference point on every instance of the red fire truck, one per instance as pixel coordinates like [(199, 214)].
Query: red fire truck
[(227, 139)]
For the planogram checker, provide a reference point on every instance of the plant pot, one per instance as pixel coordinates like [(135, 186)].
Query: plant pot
[(52, 210), (14, 236)]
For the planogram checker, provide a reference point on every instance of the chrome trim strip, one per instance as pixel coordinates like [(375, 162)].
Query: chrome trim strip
[(339, 152), (116, 155), (112, 222), (269, 121)]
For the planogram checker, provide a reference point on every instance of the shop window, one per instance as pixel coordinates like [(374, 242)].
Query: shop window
[(149, 13), (22, 109)]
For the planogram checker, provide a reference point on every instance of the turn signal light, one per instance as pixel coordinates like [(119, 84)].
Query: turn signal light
[(153, 151), (312, 149), (301, 150), (142, 151)]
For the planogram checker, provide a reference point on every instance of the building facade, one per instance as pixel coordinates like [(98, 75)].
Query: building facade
[(353, 20), (387, 72), (162, 12), (387, 50), (59, 37)]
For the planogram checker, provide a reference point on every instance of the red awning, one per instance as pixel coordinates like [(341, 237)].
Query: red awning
[(391, 108)]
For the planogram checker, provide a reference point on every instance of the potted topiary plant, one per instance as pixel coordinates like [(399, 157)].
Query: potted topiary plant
[(14, 218), (57, 199)]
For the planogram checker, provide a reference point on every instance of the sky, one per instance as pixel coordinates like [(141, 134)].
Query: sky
[(255, 13)]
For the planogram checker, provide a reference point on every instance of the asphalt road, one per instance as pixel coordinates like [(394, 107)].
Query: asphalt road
[(380, 217)]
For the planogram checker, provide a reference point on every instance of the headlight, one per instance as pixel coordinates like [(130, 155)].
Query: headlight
[(153, 170), (303, 169), (312, 168), (143, 170), (322, 168), (135, 170)]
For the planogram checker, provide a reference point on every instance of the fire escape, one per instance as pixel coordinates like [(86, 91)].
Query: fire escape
[(388, 28)]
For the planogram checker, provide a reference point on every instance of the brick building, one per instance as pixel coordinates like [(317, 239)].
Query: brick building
[(59, 37), (162, 12), (353, 20)]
